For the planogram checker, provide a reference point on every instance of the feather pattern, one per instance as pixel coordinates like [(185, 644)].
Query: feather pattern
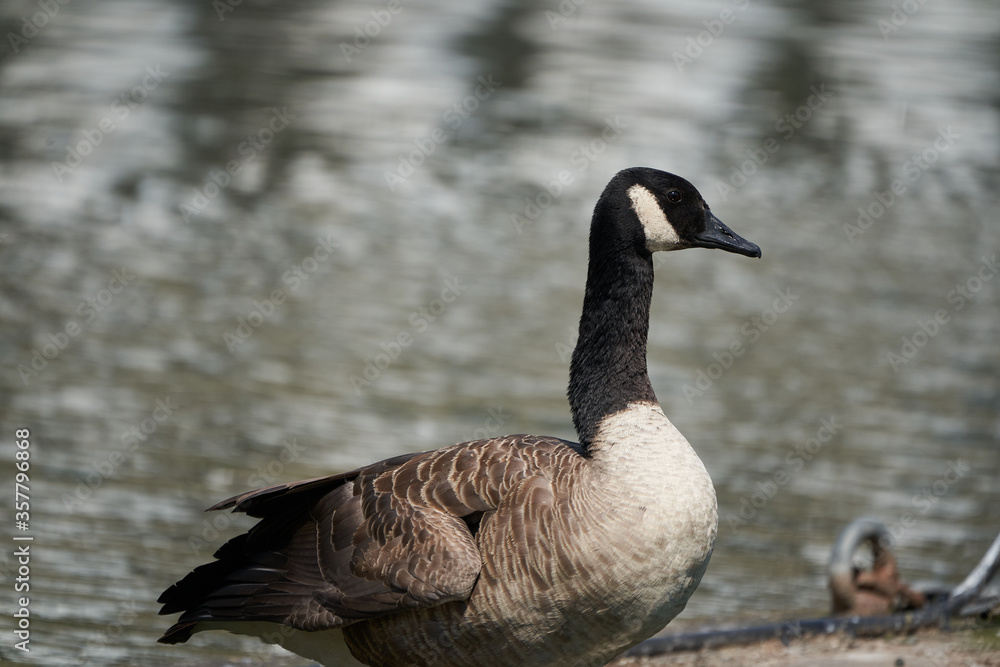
[(519, 550)]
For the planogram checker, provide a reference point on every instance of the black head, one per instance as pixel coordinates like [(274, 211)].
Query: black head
[(666, 212)]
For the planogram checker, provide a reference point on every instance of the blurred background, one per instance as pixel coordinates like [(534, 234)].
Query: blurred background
[(243, 243)]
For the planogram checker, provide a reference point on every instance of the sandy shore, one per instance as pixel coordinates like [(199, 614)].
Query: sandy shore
[(976, 647)]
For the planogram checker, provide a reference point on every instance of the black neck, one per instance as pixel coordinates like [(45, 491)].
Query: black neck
[(608, 370)]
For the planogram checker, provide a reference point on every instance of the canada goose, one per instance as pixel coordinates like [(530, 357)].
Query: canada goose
[(518, 550)]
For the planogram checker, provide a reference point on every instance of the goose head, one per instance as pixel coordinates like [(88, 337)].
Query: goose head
[(668, 213)]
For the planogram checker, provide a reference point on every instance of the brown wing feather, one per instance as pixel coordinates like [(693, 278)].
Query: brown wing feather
[(336, 550)]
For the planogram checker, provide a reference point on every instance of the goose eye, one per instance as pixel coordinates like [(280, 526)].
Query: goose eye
[(673, 196)]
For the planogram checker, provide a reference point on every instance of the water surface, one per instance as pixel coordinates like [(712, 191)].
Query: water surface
[(268, 203)]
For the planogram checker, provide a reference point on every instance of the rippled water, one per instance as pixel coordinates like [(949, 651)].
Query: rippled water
[(214, 226)]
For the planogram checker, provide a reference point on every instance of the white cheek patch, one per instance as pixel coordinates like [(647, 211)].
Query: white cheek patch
[(660, 234)]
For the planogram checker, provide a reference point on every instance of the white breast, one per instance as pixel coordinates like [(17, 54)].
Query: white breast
[(661, 508)]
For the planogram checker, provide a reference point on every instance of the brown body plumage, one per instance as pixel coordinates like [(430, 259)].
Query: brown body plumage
[(521, 550)]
